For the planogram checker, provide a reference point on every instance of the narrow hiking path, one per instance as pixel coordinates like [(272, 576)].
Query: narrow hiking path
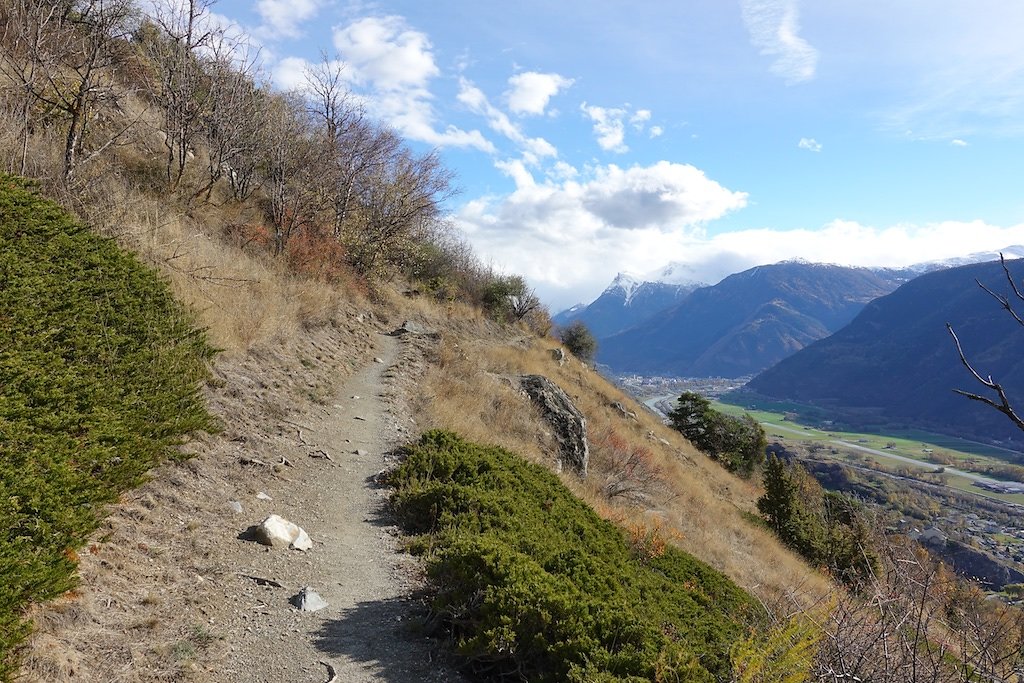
[(172, 589), (367, 632)]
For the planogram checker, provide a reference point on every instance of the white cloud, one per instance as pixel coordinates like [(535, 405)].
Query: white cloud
[(530, 91), (385, 52), (283, 17), (656, 132), (640, 118), (810, 144), (290, 73), (474, 98), (574, 277), (566, 234), (392, 66), (609, 127), (774, 26), (957, 142)]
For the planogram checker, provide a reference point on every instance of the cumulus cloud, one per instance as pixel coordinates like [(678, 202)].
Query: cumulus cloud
[(567, 233), (529, 92), (387, 53), (282, 18), (392, 66), (774, 27), (609, 127), (810, 144), (957, 142), (655, 132)]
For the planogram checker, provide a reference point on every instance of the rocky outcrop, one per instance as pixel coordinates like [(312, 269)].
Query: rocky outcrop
[(567, 422)]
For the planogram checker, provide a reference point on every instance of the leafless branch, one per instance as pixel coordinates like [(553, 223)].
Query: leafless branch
[(1003, 405)]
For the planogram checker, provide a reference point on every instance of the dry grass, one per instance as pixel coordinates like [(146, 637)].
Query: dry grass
[(692, 501)]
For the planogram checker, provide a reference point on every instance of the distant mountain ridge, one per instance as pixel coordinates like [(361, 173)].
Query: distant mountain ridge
[(895, 363), (747, 322), (631, 299), (773, 322)]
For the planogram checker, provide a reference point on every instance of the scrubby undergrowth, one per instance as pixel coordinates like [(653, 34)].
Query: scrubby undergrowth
[(99, 377), (534, 585)]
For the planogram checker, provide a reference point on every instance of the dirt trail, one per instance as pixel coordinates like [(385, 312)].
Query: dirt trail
[(367, 633)]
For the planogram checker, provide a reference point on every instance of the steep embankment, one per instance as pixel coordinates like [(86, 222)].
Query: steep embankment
[(99, 374)]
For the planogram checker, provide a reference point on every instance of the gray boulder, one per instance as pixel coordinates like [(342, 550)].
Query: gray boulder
[(567, 422), (308, 600)]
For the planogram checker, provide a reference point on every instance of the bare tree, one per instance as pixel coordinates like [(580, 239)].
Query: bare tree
[(234, 117), (63, 55), (1001, 402), (914, 621), (400, 203), (29, 32), (291, 166), (179, 30)]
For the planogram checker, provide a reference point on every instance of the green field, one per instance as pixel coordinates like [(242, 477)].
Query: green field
[(914, 444)]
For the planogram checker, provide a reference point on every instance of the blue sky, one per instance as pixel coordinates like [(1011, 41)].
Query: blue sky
[(596, 137)]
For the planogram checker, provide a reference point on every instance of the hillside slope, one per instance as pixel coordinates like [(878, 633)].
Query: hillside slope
[(746, 322), (896, 365)]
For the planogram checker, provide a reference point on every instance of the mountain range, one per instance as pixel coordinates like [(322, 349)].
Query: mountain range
[(667, 323), (896, 365), (746, 322)]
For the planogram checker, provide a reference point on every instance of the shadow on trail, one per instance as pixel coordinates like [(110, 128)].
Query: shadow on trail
[(388, 638)]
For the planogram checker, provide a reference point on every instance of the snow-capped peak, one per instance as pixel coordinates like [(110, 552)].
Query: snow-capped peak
[(627, 283), (1010, 252), (675, 273)]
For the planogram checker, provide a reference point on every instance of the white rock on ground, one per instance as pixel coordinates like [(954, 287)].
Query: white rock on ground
[(278, 532)]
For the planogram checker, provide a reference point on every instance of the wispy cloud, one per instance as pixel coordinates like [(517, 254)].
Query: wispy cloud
[(957, 142), (474, 98), (774, 28), (810, 144), (529, 92)]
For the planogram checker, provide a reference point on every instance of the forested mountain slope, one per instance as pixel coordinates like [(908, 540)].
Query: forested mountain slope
[(896, 364)]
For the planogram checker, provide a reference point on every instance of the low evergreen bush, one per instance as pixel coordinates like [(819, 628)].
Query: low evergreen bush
[(534, 585), (99, 376)]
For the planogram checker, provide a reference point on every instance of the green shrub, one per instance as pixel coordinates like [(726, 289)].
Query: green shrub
[(737, 442), (532, 582), (579, 340), (99, 376)]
